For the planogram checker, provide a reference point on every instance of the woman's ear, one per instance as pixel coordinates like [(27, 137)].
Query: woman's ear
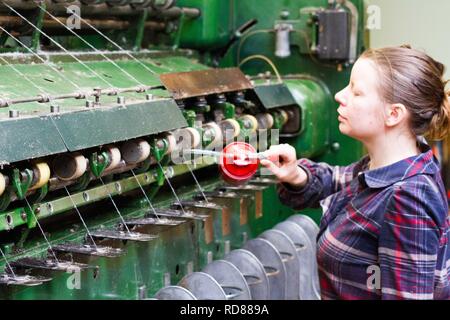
[(395, 114)]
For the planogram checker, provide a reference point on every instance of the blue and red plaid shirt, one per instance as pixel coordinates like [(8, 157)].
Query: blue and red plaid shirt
[(384, 233)]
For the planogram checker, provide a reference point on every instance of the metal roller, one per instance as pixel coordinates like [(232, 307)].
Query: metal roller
[(273, 264), (309, 289), (230, 279), (287, 250), (174, 293), (135, 151), (203, 286), (41, 172), (253, 272), (69, 166)]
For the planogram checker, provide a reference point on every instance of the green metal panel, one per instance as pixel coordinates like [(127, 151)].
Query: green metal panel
[(28, 138), (274, 96), (212, 29), (316, 105), (85, 129)]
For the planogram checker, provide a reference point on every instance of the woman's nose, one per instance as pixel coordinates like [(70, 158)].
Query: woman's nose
[(341, 97)]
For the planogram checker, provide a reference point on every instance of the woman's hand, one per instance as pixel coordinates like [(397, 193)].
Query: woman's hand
[(281, 160)]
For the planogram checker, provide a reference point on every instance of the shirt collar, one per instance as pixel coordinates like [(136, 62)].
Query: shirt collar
[(424, 163)]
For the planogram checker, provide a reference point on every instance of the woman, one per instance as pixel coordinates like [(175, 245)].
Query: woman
[(385, 227)]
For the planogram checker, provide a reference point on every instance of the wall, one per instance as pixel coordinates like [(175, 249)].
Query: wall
[(421, 23)]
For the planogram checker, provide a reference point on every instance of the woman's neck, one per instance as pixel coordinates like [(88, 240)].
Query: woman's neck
[(389, 149)]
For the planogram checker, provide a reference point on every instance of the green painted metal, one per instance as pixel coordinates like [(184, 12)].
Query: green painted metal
[(106, 125), (315, 103), (274, 95), (212, 29), (146, 267), (28, 138)]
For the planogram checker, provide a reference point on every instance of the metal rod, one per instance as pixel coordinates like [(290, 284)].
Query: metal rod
[(103, 9), (78, 95), (106, 24)]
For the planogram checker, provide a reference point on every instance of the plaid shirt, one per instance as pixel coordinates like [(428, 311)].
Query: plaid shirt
[(384, 233)]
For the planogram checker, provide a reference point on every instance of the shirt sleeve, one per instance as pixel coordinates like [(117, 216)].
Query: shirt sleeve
[(323, 181), (409, 242)]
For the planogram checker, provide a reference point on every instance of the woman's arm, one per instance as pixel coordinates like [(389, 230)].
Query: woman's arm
[(303, 183), (323, 180), (409, 242)]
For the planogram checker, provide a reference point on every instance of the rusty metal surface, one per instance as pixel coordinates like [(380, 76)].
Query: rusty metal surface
[(184, 85)]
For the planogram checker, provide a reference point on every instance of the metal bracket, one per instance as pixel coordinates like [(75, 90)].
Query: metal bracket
[(8, 279), (82, 183), (98, 163), (87, 249), (49, 264), (122, 235), (20, 187)]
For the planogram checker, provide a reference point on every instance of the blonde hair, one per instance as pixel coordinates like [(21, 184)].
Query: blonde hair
[(414, 79)]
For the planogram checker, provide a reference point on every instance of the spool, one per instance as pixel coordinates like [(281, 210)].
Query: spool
[(215, 131), (114, 157), (235, 165), (250, 123), (265, 120), (171, 143), (285, 116), (135, 151), (194, 136), (42, 171), (69, 166), (230, 125), (2, 184)]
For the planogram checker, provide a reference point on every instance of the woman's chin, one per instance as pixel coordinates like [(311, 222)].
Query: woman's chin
[(344, 129)]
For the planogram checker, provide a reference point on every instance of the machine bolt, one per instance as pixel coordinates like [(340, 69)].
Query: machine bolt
[(14, 113), (89, 104), (335, 146), (121, 100), (54, 108), (284, 14), (142, 292), (37, 210), (148, 96), (23, 215)]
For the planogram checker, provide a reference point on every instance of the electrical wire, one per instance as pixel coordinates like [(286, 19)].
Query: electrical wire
[(261, 57), (248, 35)]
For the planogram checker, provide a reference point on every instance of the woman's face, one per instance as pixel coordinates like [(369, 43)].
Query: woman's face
[(361, 109)]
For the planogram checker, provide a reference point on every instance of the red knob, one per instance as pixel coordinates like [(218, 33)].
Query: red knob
[(238, 163)]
